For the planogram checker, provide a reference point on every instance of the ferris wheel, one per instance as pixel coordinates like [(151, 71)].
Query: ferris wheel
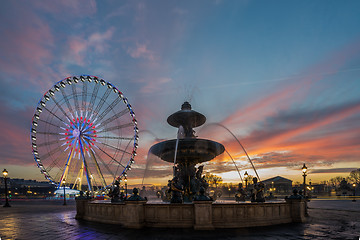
[(84, 133)]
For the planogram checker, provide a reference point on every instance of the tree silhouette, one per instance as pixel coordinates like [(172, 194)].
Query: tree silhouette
[(355, 176), (213, 179)]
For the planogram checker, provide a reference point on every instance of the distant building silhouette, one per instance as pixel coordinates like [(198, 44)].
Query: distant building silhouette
[(278, 185), (20, 186)]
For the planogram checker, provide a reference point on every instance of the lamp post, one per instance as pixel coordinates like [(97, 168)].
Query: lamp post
[(246, 175), (354, 185), (125, 180), (304, 170), (64, 191), (5, 173)]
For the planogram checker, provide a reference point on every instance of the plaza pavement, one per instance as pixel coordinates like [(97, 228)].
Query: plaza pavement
[(328, 219)]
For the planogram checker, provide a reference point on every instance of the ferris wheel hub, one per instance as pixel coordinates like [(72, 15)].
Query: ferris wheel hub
[(76, 133)]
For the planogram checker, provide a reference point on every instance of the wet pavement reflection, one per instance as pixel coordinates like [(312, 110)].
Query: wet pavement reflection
[(329, 219)]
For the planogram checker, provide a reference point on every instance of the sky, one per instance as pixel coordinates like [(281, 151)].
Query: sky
[(282, 76)]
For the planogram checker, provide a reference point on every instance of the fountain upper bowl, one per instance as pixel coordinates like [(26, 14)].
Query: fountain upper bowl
[(190, 150)]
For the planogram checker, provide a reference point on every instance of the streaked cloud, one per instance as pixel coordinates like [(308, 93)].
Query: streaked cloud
[(333, 170)]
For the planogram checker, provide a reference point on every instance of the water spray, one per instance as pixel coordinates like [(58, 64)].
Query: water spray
[(237, 169), (219, 124)]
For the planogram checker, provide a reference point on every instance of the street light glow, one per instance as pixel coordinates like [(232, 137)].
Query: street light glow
[(304, 168)]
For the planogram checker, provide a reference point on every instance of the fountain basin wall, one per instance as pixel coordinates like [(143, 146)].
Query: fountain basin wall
[(198, 215)]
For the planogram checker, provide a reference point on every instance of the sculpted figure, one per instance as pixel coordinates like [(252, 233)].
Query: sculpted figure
[(176, 191), (114, 192), (199, 171), (201, 196), (258, 191), (135, 196), (240, 194)]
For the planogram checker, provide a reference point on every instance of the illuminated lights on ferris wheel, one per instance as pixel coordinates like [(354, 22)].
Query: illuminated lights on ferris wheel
[(83, 127)]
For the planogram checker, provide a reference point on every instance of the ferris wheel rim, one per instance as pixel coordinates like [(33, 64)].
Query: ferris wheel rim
[(58, 86)]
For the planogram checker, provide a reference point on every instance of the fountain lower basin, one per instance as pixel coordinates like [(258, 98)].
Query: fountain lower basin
[(197, 215)]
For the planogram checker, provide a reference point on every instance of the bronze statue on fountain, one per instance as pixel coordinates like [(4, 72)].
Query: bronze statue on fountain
[(186, 152)]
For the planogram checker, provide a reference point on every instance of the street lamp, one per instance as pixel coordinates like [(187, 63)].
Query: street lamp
[(5, 173), (304, 170), (354, 185), (246, 175), (63, 182)]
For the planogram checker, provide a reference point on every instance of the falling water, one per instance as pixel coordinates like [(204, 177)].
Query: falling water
[(237, 169), (176, 148), (180, 134), (219, 124), (148, 159)]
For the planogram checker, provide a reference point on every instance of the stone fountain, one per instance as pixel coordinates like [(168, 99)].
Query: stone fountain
[(186, 152), (188, 185)]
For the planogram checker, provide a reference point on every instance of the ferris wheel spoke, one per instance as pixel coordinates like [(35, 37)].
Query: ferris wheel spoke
[(122, 156), (55, 115), (48, 133), (118, 138), (75, 98), (61, 109), (116, 116), (93, 98), (115, 128), (103, 162), (102, 101), (40, 120), (52, 152), (58, 174), (97, 156), (94, 182), (98, 168), (67, 101), (55, 162), (110, 146), (108, 109), (111, 157), (84, 93), (47, 143)]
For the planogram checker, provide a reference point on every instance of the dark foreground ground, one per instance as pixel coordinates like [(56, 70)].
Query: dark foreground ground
[(328, 219)]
